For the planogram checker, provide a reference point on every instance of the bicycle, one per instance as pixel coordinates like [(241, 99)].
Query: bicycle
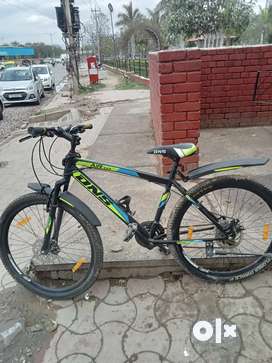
[(219, 230)]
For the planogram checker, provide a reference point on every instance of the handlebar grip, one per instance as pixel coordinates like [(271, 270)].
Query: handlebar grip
[(37, 131), (87, 127)]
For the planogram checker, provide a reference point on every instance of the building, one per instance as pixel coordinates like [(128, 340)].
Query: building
[(9, 53)]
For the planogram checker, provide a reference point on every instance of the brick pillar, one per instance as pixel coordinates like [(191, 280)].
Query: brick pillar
[(175, 82)]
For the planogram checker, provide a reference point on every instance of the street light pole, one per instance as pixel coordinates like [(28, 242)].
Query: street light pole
[(112, 28), (71, 46)]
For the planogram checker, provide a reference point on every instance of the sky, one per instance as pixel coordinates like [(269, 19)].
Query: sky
[(34, 20)]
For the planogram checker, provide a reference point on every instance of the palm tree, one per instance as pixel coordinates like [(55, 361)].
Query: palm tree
[(154, 16), (128, 20)]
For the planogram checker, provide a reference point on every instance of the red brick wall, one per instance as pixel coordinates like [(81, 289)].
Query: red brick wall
[(175, 100), (228, 77), (212, 87)]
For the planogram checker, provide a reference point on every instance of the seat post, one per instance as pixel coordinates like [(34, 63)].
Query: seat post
[(174, 169)]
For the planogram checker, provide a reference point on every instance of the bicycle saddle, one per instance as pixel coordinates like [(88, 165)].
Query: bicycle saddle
[(175, 151)]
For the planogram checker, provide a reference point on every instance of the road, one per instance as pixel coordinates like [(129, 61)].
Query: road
[(15, 116)]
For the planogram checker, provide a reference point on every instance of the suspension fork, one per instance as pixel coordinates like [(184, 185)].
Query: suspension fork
[(54, 217)]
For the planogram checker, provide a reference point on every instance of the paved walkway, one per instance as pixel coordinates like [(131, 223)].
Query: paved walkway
[(152, 320)]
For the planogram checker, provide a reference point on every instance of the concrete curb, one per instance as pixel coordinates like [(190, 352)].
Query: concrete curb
[(48, 116), (137, 268)]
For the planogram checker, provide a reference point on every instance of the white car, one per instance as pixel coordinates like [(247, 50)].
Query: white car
[(20, 85), (46, 74)]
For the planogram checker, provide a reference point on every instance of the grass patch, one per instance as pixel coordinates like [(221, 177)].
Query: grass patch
[(128, 84), (91, 88)]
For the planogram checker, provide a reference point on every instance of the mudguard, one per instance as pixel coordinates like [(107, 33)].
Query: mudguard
[(74, 202), (225, 166), (69, 199)]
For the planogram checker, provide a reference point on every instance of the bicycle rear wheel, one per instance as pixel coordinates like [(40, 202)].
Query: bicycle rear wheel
[(243, 207), (73, 262)]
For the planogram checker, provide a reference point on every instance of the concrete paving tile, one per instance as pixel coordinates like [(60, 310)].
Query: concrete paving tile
[(248, 305), (233, 290), (50, 354), (6, 280), (220, 355), (117, 295), (206, 300), (261, 279), (181, 348), (125, 313), (263, 294), (112, 343), (157, 340), (266, 332), (154, 286), (173, 292), (253, 346), (77, 358), (145, 320), (70, 343), (242, 359), (186, 309), (84, 322), (192, 284), (67, 315), (144, 357), (100, 289), (61, 303)]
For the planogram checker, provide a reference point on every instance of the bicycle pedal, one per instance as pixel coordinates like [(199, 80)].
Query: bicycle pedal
[(132, 228)]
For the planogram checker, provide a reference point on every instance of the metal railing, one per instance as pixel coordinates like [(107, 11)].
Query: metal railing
[(138, 66)]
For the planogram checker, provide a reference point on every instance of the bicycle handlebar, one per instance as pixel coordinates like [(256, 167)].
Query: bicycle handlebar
[(68, 134)]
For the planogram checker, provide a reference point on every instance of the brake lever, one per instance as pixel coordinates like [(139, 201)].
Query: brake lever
[(25, 138)]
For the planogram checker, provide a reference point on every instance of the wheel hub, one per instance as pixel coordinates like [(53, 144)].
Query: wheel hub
[(233, 230)]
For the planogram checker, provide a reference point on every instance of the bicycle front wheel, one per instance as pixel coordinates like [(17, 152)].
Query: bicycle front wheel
[(244, 209), (73, 262)]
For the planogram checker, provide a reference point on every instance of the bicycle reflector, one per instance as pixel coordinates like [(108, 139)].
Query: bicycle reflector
[(22, 222), (190, 232), (78, 264), (265, 232)]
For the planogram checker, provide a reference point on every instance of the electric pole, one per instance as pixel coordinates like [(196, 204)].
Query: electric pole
[(71, 46)]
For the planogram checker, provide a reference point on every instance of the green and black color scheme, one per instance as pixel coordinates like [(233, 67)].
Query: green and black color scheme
[(212, 230)]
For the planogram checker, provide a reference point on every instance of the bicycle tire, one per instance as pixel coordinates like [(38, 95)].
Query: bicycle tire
[(91, 231), (182, 206)]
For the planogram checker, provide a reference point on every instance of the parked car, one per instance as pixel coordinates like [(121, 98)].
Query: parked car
[(1, 109), (46, 74), (20, 84)]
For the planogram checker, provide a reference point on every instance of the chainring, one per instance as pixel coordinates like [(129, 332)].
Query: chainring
[(159, 231)]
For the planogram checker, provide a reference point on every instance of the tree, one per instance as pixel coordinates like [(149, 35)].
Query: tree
[(128, 21), (97, 33), (260, 28), (201, 17)]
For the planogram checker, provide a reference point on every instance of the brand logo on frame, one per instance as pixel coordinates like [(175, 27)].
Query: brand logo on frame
[(204, 331)]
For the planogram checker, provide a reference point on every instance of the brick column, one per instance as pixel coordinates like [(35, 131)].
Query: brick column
[(175, 83)]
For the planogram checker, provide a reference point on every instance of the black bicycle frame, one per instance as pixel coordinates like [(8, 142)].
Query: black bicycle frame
[(74, 167)]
